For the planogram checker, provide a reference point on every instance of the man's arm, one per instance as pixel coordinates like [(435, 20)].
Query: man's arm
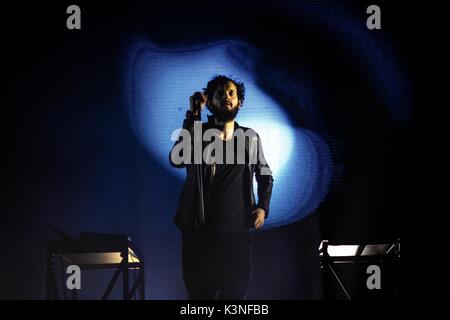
[(264, 179), (197, 102)]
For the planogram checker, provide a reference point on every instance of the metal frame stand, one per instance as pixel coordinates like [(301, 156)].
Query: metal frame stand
[(68, 249), (329, 274)]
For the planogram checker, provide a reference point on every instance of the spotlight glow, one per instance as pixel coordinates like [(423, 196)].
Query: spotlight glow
[(159, 84)]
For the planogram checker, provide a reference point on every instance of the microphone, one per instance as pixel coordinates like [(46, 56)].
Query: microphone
[(198, 99)]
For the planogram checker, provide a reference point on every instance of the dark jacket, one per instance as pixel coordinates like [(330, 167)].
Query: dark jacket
[(193, 202)]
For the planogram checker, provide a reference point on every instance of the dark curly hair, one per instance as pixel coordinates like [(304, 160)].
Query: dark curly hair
[(220, 80)]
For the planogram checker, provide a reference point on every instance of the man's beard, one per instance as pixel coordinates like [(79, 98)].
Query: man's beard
[(223, 114)]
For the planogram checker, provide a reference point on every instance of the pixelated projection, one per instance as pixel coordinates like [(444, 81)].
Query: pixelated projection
[(159, 82)]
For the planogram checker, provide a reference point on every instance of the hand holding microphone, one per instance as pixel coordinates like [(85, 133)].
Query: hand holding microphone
[(197, 102)]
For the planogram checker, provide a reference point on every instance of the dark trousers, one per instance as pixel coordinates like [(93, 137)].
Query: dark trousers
[(216, 267)]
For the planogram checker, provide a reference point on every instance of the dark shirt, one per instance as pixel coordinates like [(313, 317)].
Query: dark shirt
[(227, 208)]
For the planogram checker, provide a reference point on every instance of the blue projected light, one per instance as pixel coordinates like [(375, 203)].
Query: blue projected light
[(159, 84)]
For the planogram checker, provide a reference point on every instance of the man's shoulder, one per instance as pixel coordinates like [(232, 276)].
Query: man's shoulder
[(248, 130), (245, 128)]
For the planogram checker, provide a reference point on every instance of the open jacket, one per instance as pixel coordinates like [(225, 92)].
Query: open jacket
[(194, 198)]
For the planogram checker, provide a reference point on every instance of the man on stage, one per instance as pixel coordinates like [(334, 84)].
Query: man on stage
[(217, 206)]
